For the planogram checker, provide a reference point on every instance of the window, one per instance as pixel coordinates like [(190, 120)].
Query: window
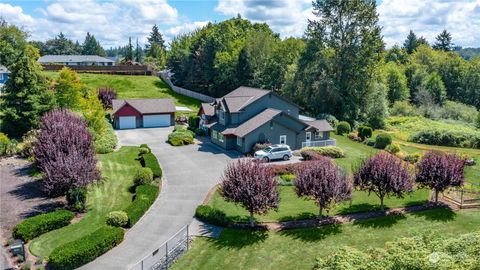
[(220, 137), (318, 135), (239, 141), (283, 139), (214, 134)]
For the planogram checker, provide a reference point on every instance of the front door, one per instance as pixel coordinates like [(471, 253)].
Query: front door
[(308, 136)]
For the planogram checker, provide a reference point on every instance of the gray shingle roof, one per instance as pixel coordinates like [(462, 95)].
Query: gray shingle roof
[(146, 106), (208, 109), (73, 59), (255, 122), (242, 97), (320, 125)]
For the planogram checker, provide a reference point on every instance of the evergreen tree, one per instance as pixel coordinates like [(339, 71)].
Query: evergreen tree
[(434, 85), (92, 47), (155, 38), (244, 69), (68, 89), (443, 42), (397, 55), (129, 53), (411, 43), (138, 53)]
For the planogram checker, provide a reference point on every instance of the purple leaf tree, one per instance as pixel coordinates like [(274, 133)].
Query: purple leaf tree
[(64, 152), (250, 184), (439, 171), (323, 181), (106, 95), (384, 175)]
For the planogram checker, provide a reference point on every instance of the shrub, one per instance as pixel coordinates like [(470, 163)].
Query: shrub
[(412, 158), (458, 111), (152, 163), (143, 176), (193, 121), (354, 137), (370, 142), (343, 128), (447, 137), (25, 148), (332, 120), (260, 146), (211, 215), (287, 179), (77, 198), (40, 224), (393, 148), (117, 219), (106, 95), (85, 249), (365, 132), (403, 108), (145, 195), (200, 132), (145, 146), (327, 151), (477, 122), (310, 155), (180, 138), (107, 141), (4, 144), (180, 128), (143, 150), (382, 140)]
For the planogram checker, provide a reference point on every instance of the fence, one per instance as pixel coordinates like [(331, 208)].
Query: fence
[(189, 93), (322, 143), (118, 70), (467, 196), (164, 256)]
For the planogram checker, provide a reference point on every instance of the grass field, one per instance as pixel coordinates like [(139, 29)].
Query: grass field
[(135, 87), (297, 249), (111, 194)]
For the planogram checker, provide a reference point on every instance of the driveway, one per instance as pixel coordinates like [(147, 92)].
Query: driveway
[(188, 174)]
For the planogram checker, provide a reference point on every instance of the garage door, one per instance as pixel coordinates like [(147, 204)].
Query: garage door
[(157, 120), (127, 122)]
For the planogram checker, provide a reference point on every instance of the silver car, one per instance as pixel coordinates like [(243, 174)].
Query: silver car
[(277, 151)]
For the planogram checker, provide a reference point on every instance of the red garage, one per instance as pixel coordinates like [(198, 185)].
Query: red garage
[(137, 113)]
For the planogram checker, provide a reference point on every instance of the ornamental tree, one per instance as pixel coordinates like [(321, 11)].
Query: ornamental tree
[(250, 184), (106, 95), (384, 175), (439, 171), (322, 181), (64, 152)]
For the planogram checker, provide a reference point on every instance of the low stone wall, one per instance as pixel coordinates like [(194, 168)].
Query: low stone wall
[(189, 93)]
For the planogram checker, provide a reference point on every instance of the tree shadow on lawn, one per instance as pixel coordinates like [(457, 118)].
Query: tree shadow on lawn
[(239, 238), (300, 216), (313, 234), (360, 207), (440, 214), (43, 208), (380, 222)]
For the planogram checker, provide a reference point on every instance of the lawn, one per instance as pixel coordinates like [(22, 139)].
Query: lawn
[(297, 249), (135, 87), (355, 151), (111, 194)]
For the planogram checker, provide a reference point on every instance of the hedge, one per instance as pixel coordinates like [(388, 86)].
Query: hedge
[(40, 224), (143, 176), (117, 219), (343, 128), (382, 140), (85, 249), (144, 198), (152, 163), (310, 155), (365, 132), (180, 137), (213, 216), (446, 137), (327, 151), (107, 141)]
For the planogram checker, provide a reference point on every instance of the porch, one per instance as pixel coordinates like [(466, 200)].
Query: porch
[(320, 143)]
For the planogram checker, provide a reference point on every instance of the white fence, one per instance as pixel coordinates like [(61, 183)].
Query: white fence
[(189, 93), (164, 256), (331, 142)]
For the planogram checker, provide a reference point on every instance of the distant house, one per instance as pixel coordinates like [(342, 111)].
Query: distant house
[(247, 116), (143, 113), (3, 76), (76, 60)]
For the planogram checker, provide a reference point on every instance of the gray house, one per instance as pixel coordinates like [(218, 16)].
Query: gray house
[(247, 116), (76, 60)]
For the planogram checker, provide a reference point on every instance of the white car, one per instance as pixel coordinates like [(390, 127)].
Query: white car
[(277, 151)]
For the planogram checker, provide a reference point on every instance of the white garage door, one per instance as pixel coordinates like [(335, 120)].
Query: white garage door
[(127, 122), (157, 120)]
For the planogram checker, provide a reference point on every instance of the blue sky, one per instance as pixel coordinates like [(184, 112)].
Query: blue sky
[(113, 21)]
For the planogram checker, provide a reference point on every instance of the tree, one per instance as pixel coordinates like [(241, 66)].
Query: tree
[(91, 46), (155, 41), (322, 181), (244, 69), (439, 171), (384, 175), (68, 89), (396, 82), (397, 55), (250, 184), (129, 53), (106, 95), (443, 42), (138, 53), (336, 71), (411, 43), (64, 152), (60, 45), (25, 95), (434, 85), (377, 110)]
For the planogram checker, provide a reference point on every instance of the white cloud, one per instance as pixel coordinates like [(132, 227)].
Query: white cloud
[(14, 14), (184, 28)]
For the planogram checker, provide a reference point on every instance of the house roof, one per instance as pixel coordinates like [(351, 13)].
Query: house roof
[(208, 109), (3, 69), (242, 97), (73, 58), (320, 125), (146, 106), (255, 122)]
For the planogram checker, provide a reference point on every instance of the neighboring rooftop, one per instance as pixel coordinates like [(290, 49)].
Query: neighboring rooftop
[(320, 125), (146, 106), (208, 109), (73, 59)]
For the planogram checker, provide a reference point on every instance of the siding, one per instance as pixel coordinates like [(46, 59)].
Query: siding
[(270, 132)]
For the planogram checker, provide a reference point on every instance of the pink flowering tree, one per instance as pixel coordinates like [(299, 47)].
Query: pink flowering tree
[(439, 171), (250, 184), (323, 181), (64, 152), (384, 175)]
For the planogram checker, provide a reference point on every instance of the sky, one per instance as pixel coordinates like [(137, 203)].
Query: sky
[(113, 21)]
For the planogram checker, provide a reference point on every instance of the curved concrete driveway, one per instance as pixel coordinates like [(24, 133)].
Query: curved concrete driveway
[(189, 172)]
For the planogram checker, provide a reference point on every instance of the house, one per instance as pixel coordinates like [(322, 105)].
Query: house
[(3, 76), (76, 60), (247, 116), (138, 113)]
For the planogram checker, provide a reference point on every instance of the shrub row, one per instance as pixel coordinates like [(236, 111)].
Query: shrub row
[(143, 176), (40, 224), (107, 141), (117, 219), (327, 151), (83, 250), (211, 215), (180, 136), (446, 137), (152, 163), (310, 155), (145, 195)]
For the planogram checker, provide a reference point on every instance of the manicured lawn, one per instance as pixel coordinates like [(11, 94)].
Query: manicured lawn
[(356, 152), (111, 194), (297, 249), (293, 208), (135, 87)]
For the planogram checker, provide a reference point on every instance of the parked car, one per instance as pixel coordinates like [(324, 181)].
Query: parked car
[(277, 151)]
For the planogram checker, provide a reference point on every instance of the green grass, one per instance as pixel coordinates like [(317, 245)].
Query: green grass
[(135, 87), (297, 249), (355, 151), (111, 194), (293, 208)]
